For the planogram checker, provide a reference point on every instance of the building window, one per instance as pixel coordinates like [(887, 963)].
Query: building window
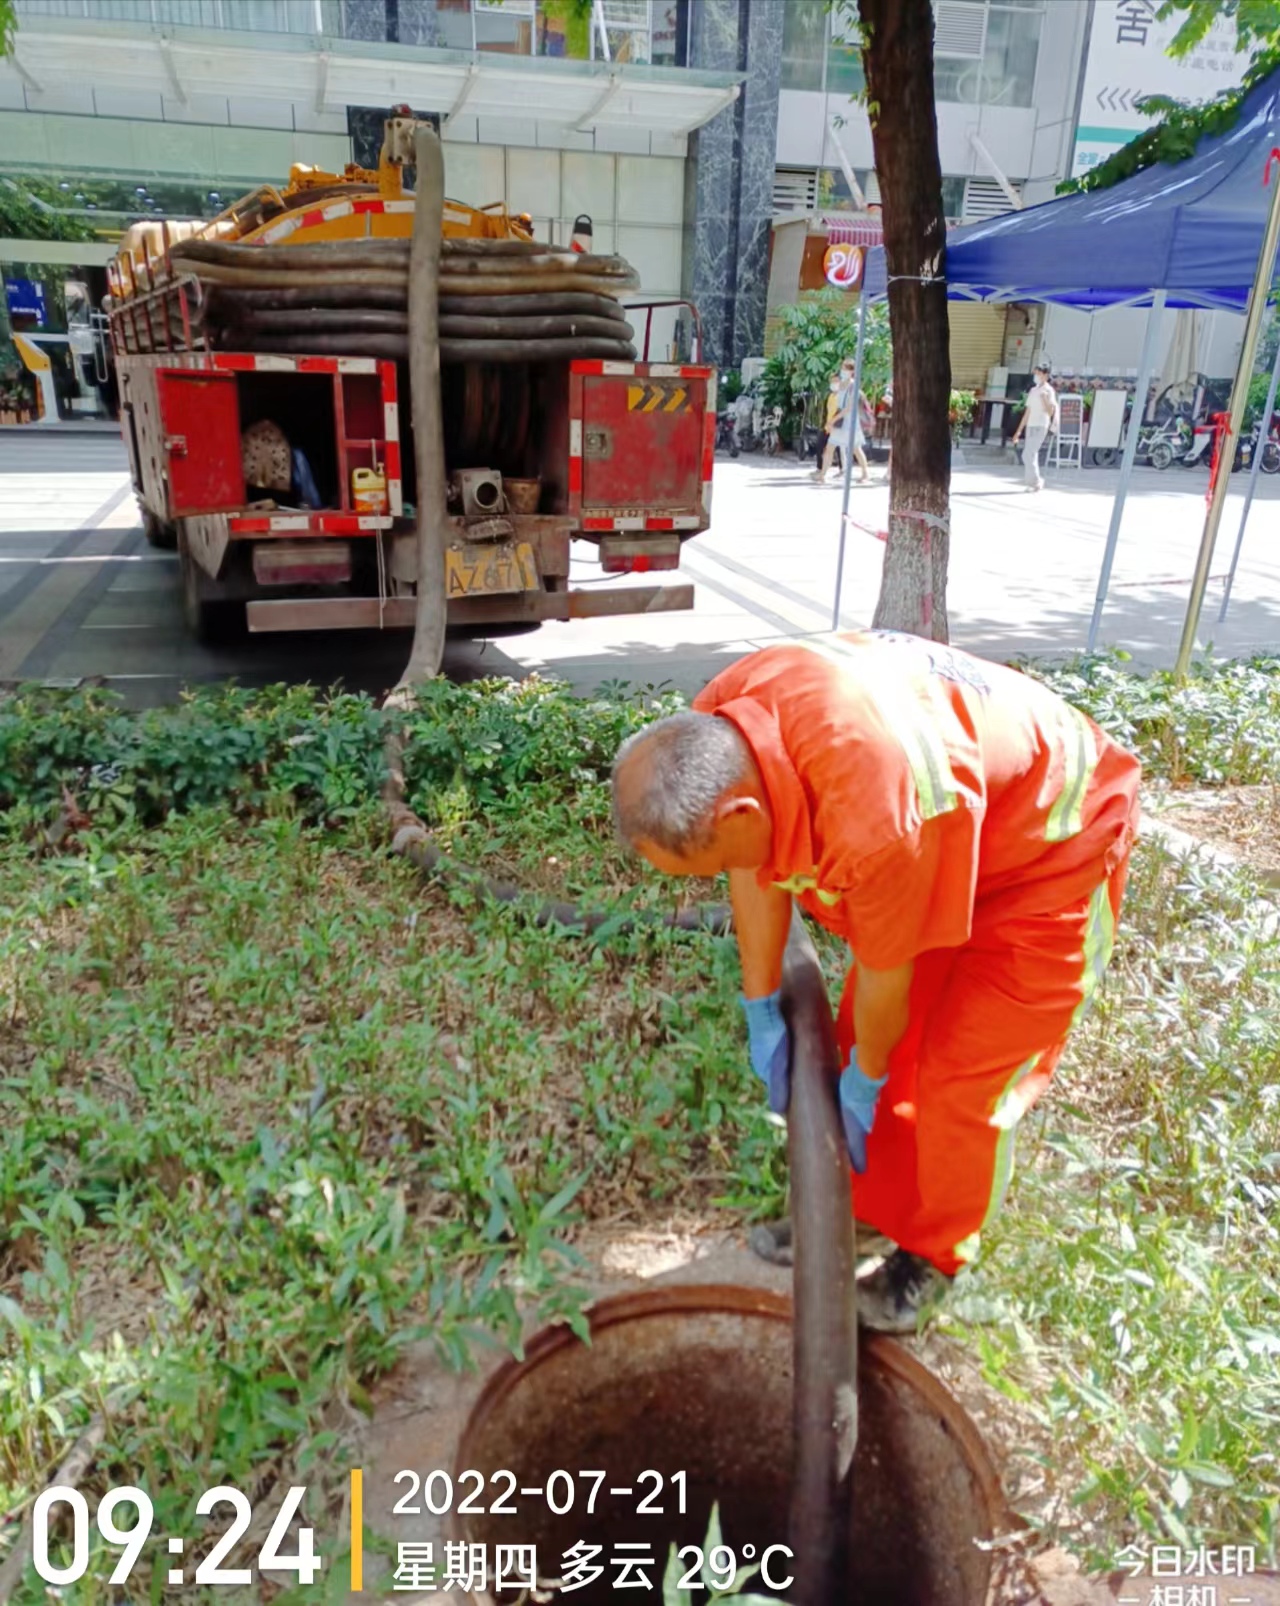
[(804, 44), (666, 34), (629, 28), (505, 26), (844, 60), (987, 53)]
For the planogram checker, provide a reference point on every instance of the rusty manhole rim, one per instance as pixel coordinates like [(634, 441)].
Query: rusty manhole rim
[(733, 1299)]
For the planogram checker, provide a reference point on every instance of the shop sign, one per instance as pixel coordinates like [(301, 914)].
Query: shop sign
[(842, 265), (25, 298)]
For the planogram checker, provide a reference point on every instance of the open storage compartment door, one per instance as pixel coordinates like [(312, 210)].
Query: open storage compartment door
[(200, 417), (638, 442)]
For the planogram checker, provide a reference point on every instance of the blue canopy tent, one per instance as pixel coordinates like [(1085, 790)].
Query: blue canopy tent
[(1186, 234)]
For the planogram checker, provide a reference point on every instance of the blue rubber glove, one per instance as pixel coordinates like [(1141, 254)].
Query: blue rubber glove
[(770, 1048), (858, 1096)]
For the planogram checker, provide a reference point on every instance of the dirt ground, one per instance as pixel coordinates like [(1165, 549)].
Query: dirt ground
[(1243, 821)]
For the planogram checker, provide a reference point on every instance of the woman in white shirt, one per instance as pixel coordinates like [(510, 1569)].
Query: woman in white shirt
[(1038, 418)]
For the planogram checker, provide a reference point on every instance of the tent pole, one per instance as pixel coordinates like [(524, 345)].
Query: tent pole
[(1239, 395), (1145, 364), (848, 456), (1263, 436)]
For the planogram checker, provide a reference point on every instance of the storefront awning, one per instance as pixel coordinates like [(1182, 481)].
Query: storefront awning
[(853, 230)]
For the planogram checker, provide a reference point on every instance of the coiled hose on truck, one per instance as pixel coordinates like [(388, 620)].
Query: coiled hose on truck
[(501, 301)]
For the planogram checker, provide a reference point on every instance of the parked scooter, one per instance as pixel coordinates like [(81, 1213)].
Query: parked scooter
[(756, 427), (1247, 445), (727, 432), (1160, 444), (1201, 448), (770, 438)]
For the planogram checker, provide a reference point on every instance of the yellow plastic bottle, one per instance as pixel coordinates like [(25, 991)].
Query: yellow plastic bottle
[(369, 490)]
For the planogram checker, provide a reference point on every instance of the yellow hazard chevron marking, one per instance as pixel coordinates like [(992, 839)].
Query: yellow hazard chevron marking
[(657, 398)]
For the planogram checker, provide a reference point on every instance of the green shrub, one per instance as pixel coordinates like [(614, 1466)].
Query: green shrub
[(817, 336)]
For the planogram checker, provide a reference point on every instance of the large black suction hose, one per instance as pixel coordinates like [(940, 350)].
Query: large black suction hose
[(428, 423), (825, 1323)]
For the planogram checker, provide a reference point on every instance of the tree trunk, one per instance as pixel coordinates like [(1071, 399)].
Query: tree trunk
[(897, 56)]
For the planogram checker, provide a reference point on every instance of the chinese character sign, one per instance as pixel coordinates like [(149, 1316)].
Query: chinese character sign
[(1128, 61)]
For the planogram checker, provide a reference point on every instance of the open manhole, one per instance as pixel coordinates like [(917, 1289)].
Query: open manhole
[(683, 1399)]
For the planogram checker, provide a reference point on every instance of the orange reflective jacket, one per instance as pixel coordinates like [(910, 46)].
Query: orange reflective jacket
[(918, 793)]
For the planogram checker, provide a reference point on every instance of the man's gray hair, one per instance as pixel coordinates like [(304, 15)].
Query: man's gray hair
[(668, 778)]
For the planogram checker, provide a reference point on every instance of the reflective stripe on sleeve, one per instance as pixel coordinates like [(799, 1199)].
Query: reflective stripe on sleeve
[(1099, 940), (1079, 760)]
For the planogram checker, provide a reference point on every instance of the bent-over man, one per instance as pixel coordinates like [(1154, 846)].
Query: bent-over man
[(968, 833)]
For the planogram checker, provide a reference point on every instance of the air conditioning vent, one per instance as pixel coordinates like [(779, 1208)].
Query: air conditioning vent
[(795, 189), (983, 199), (960, 28)]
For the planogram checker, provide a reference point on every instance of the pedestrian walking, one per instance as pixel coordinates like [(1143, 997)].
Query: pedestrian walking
[(1039, 416), (845, 430), (967, 833)]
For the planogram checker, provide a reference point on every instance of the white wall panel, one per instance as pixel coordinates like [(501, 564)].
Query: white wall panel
[(56, 97), (631, 141), (123, 103), (475, 174), (650, 190), (508, 131), (197, 109), (587, 184), (801, 126), (655, 254), (250, 112), (12, 96), (533, 182)]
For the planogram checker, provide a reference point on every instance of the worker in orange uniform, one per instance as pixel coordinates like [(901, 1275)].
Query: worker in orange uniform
[(968, 833)]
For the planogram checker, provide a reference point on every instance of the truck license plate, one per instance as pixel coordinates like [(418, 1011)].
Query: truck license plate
[(478, 569)]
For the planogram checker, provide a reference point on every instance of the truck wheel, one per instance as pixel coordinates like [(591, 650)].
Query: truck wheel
[(159, 534), (210, 620)]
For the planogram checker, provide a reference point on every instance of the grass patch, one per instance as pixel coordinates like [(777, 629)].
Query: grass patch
[(173, 999), (1135, 1275)]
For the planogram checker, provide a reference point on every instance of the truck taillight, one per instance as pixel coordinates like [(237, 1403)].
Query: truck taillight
[(628, 554), (314, 563)]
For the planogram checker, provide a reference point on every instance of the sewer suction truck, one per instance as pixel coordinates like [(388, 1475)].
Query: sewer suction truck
[(265, 406)]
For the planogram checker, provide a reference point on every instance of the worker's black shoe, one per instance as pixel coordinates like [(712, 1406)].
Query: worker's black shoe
[(772, 1241), (893, 1297)]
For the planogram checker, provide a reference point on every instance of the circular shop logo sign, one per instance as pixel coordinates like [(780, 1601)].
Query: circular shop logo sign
[(842, 265)]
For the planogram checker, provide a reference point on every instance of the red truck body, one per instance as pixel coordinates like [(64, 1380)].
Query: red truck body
[(621, 453)]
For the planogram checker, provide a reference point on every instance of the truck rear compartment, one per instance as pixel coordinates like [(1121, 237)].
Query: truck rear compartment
[(614, 453)]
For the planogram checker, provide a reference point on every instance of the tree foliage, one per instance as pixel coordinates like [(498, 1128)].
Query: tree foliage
[(8, 26), (1182, 123), (29, 210)]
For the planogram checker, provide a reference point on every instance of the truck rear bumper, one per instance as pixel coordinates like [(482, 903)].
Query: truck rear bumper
[(396, 613)]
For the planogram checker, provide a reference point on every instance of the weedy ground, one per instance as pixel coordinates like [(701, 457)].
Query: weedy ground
[(273, 1107)]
